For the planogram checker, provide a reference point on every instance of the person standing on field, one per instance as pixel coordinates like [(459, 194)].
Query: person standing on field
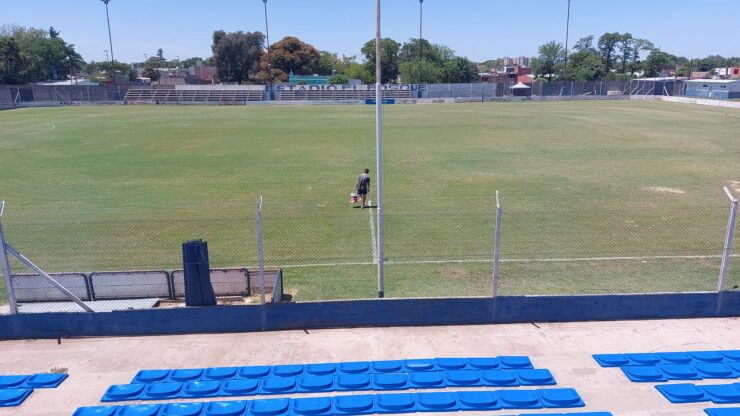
[(362, 187)]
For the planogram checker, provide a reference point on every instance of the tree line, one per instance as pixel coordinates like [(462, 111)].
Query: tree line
[(29, 55), (616, 56)]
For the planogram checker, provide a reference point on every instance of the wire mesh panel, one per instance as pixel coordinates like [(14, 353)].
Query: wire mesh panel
[(130, 285), (638, 250), (35, 288), (225, 282)]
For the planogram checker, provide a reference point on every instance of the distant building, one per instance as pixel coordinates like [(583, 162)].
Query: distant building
[(520, 61), (712, 88), (309, 79)]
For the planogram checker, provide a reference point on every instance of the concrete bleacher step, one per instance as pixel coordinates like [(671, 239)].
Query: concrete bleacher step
[(358, 404), (224, 384)]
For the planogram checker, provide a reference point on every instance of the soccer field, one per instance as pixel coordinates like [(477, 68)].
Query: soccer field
[(599, 197)]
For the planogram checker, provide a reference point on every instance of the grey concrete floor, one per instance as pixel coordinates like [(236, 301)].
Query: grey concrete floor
[(564, 348)]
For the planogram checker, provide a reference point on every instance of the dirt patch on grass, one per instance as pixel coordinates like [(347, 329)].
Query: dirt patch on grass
[(190, 146), (666, 190), (454, 272)]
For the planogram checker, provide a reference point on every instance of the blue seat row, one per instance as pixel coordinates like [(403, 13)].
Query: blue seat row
[(355, 404), (324, 369), (692, 393), (690, 357), (571, 414), (323, 384), (36, 381), (723, 411), (13, 397), (665, 372)]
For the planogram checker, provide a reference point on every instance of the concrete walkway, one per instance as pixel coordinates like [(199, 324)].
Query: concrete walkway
[(565, 349)]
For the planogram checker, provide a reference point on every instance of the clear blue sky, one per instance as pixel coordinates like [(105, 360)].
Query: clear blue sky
[(478, 29)]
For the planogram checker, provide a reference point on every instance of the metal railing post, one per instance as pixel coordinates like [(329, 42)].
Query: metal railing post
[(497, 246), (728, 241), (260, 253), (6, 265)]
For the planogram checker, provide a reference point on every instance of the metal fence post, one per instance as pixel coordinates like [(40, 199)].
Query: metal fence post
[(497, 246), (260, 253), (6, 265), (728, 241)]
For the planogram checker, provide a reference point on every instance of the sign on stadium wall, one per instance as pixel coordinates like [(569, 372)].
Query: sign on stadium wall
[(363, 87)]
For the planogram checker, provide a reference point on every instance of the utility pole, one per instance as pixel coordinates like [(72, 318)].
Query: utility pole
[(421, 44), (269, 60), (110, 38), (379, 149), (567, 34)]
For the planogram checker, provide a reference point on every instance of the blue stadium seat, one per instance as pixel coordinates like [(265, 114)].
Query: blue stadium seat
[(312, 406), (254, 371), (220, 373), (445, 364), (287, 370), (644, 373), (675, 357), (389, 366), (140, 410), (390, 381), (571, 414), (682, 393), (426, 379), (463, 378), (436, 402), (395, 403), (13, 397), (733, 355), (559, 398), (321, 369), (723, 393), (519, 399), (354, 367), (122, 392), (278, 385), (707, 356), (186, 374), (715, 370), (478, 400), (644, 358), (45, 381), (501, 378), (269, 407), (691, 357), (201, 389), (97, 411), (484, 363), (515, 362), (316, 383), (611, 360), (239, 387), (181, 409), (724, 411), (353, 382), (679, 371), (419, 365), (150, 376), (532, 377), (9, 382), (353, 405), (161, 391), (234, 408)]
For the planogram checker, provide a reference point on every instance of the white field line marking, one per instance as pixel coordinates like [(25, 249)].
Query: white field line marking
[(553, 260), (373, 241), (51, 127)]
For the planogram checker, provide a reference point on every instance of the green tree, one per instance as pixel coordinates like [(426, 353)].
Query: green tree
[(339, 80), (626, 50), (41, 56), (608, 43), (151, 68), (10, 61), (413, 72), (585, 65), (110, 69), (289, 55), (389, 50), (236, 55), (160, 54), (328, 64), (414, 50), (459, 70), (359, 71), (656, 61), (585, 44), (551, 54)]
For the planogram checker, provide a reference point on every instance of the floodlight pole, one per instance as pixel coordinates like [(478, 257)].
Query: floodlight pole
[(567, 35), (421, 44), (379, 149), (269, 60), (110, 38)]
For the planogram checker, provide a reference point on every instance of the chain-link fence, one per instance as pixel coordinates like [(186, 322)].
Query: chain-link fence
[(438, 250)]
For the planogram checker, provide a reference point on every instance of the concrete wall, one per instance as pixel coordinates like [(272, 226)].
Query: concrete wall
[(688, 100), (386, 312)]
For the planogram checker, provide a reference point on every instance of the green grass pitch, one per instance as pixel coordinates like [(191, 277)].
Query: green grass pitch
[(622, 187)]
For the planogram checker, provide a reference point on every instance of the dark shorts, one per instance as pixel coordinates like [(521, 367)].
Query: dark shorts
[(362, 191)]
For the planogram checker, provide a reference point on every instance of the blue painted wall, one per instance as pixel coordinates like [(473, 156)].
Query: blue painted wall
[(385, 312)]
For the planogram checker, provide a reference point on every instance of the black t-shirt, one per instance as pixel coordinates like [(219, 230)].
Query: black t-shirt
[(363, 180)]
